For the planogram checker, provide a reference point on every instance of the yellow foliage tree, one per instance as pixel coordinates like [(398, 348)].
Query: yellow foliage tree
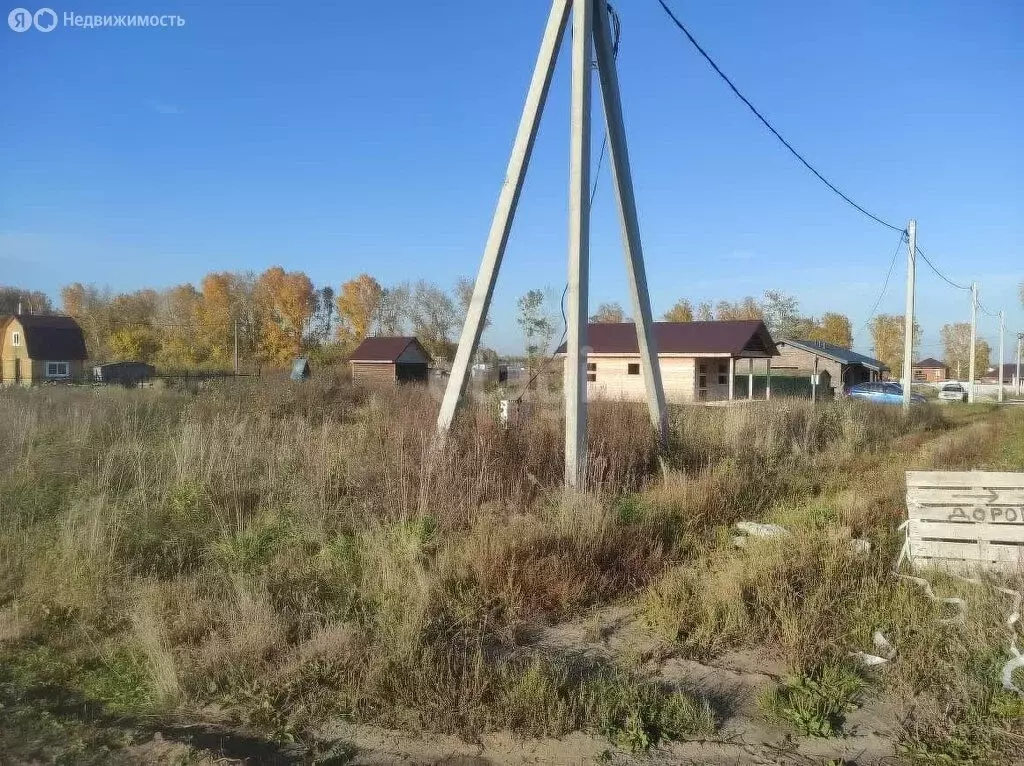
[(681, 312), (286, 301), (835, 329), (358, 303), (887, 341)]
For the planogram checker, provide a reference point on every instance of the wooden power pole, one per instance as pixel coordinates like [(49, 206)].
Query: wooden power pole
[(908, 316), (592, 33)]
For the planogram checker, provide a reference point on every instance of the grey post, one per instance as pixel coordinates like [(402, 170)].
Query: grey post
[(508, 199), (974, 340), (236, 347), (908, 317), (579, 246), (1020, 383), (630, 224), (999, 370)]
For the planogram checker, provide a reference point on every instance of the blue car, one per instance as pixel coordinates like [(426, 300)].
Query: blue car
[(882, 393)]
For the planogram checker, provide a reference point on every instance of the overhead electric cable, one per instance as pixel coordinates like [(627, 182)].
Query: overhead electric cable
[(885, 285), (940, 274), (767, 124)]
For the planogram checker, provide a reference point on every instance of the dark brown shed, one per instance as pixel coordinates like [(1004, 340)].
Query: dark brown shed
[(389, 360)]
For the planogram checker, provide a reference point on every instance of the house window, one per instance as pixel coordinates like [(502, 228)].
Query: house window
[(723, 373), (16, 339), (591, 377), (591, 366), (633, 369), (56, 369)]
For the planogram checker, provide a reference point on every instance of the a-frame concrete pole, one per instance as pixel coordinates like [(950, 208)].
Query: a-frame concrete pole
[(623, 177), (579, 246), (501, 225)]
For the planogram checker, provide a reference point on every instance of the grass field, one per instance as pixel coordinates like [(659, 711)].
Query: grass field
[(276, 573)]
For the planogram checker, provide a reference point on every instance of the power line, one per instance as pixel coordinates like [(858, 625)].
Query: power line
[(940, 274), (767, 124), (885, 285), (994, 315)]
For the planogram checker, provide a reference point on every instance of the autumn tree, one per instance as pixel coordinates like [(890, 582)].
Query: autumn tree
[(747, 308), (682, 311), (608, 313), (177, 316), (285, 300), (358, 305), (90, 307), (216, 316), (956, 348), (705, 313), (833, 328), (887, 340), (31, 301)]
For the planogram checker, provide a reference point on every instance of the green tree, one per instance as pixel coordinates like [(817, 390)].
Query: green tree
[(781, 314), (536, 324)]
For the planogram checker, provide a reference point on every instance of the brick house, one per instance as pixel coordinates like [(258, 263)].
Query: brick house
[(929, 371)]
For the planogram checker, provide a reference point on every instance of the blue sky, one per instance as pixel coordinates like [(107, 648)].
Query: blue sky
[(345, 137)]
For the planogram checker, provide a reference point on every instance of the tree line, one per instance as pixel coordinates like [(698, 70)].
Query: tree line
[(278, 315)]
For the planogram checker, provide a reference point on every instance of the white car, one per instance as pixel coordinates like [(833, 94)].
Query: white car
[(952, 392)]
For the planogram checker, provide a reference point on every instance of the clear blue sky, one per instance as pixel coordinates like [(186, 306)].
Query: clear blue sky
[(345, 137)]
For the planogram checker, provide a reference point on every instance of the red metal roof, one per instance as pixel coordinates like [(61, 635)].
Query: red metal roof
[(384, 349), (746, 337), (51, 338)]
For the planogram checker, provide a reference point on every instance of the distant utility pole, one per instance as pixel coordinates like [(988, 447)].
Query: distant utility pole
[(999, 370), (974, 339), (908, 318), (1020, 384), (236, 347)]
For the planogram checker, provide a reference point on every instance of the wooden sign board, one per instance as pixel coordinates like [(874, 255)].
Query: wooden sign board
[(966, 519)]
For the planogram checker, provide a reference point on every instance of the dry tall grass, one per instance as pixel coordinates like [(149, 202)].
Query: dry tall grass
[(295, 552)]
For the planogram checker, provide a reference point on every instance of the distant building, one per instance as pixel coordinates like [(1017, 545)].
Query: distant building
[(929, 371), (123, 373), (836, 367), (698, 360), (39, 348), (389, 360), (1009, 374)]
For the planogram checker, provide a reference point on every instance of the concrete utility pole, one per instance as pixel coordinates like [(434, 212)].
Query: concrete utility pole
[(999, 370), (591, 27), (974, 340), (1020, 384), (575, 388), (908, 317)]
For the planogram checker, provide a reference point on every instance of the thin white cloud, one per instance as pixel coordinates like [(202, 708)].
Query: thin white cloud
[(162, 107)]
